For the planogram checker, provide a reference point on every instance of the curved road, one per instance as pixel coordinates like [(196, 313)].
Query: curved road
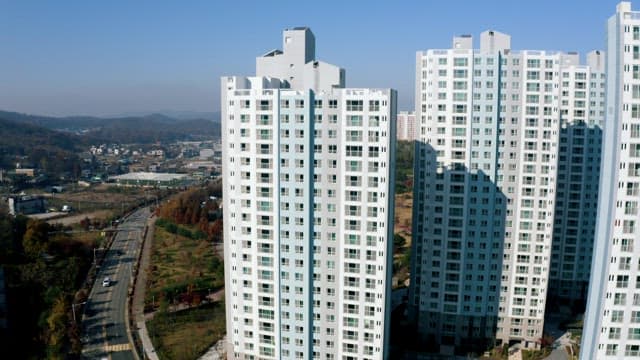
[(103, 321)]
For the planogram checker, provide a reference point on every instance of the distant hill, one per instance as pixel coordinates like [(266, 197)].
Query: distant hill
[(133, 129), (175, 114), (53, 151), (17, 136)]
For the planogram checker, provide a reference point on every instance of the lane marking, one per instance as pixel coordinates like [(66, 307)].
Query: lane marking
[(117, 347)]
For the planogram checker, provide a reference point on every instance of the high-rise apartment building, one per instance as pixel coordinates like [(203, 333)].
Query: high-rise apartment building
[(308, 209), (491, 123), (581, 119), (612, 320), (406, 129)]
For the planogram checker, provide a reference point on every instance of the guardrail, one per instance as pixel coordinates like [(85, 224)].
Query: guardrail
[(135, 342), (134, 339)]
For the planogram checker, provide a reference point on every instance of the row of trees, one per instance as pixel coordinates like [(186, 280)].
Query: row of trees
[(194, 217), (404, 166), (199, 207), (43, 270)]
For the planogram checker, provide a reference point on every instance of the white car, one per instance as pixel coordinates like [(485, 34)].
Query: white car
[(106, 282)]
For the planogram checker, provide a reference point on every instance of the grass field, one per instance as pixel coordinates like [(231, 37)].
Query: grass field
[(402, 227), (187, 334), (182, 269)]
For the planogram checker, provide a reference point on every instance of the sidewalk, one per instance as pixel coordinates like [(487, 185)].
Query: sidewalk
[(560, 348), (139, 293), (517, 355)]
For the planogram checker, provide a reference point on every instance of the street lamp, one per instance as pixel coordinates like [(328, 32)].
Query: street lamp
[(94, 254), (73, 308)]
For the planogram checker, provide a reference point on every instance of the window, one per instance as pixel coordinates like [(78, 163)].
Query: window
[(533, 63), (617, 316), (354, 120), (614, 333), (628, 226), (460, 62), (632, 350), (355, 105)]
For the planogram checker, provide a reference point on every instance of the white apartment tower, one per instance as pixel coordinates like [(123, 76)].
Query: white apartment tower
[(579, 154), (406, 129), (612, 320), (308, 209), (490, 124)]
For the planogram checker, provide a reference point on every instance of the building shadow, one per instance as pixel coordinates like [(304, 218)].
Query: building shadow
[(575, 216), (457, 251)]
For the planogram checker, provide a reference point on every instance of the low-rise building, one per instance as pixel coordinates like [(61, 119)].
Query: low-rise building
[(26, 204), (148, 179)]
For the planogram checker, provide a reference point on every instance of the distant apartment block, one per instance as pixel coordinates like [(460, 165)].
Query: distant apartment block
[(406, 126), (308, 209), (492, 122), (612, 320)]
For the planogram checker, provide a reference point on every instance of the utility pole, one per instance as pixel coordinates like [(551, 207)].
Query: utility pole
[(94, 254), (73, 309)]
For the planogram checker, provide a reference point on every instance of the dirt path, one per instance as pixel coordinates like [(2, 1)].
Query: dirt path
[(74, 219)]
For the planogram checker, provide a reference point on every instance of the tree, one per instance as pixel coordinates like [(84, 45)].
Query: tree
[(546, 340), (203, 224), (85, 223), (404, 166), (36, 239), (398, 241), (57, 329), (215, 231)]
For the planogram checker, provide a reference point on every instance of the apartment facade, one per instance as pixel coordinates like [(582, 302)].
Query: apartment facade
[(612, 320), (490, 123), (582, 100), (308, 199), (406, 128)]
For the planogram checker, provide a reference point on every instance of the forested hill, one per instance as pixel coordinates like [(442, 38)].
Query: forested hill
[(52, 151), (125, 130), (18, 136)]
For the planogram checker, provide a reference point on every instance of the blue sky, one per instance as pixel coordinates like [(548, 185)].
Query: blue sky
[(110, 57)]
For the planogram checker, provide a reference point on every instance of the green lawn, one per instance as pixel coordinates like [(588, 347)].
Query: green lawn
[(187, 334)]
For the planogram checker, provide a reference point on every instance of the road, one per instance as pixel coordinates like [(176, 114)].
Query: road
[(103, 322)]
